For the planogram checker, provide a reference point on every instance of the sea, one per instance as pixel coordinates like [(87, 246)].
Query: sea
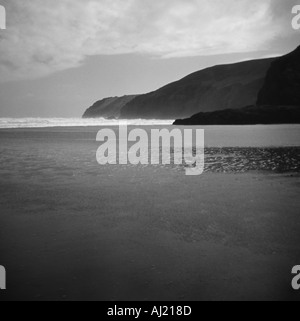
[(215, 136), (77, 230), (237, 149)]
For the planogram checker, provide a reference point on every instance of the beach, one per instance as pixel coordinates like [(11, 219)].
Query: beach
[(74, 230)]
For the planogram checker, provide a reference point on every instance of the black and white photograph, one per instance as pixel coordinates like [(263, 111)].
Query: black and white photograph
[(149, 153)]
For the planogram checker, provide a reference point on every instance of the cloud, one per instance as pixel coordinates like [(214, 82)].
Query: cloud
[(45, 36)]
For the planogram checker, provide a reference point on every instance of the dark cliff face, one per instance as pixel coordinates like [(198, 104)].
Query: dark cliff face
[(217, 88), (278, 100), (108, 107), (282, 84)]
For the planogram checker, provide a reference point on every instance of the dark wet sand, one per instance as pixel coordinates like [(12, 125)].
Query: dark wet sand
[(72, 230)]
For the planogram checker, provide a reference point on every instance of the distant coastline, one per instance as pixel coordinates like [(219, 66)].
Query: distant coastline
[(219, 96)]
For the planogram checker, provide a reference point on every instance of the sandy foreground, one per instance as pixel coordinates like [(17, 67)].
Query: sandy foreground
[(71, 230)]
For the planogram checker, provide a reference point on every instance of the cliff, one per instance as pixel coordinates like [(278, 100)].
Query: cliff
[(282, 83), (220, 87), (264, 82), (278, 101), (108, 107)]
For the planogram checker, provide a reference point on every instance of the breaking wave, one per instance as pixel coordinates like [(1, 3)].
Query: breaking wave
[(75, 122)]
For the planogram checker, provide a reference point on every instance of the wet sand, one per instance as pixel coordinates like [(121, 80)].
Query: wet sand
[(73, 230)]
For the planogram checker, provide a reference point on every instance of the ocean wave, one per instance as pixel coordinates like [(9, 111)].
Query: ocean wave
[(6, 123)]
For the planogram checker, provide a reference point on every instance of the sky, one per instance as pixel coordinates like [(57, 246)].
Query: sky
[(58, 57)]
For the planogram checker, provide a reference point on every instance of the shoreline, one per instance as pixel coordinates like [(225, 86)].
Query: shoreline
[(145, 125)]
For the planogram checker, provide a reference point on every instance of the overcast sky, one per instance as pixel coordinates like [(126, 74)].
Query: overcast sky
[(58, 57)]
